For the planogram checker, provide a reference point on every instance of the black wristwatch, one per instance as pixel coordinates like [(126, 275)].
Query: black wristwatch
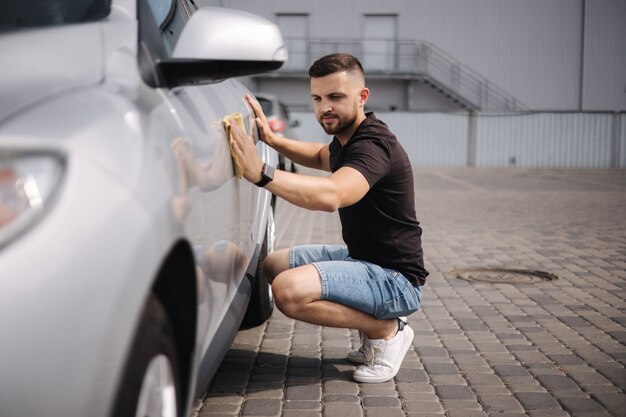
[(267, 175)]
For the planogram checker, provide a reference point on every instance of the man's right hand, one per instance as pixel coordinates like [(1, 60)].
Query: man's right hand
[(265, 133), (309, 154)]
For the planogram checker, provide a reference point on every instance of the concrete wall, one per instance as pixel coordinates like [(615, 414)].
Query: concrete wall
[(604, 71), (550, 54), (565, 59)]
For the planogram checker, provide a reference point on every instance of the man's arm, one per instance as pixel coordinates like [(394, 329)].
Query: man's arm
[(308, 154), (343, 188)]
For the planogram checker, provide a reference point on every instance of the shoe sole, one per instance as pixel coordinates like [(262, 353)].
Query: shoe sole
[(396, 366)]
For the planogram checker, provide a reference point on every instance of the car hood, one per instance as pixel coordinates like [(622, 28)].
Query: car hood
[(37, 65)]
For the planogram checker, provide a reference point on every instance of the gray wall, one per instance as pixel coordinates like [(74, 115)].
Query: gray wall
[(534, 140), (550, 54), (565, 59), (605, 55)]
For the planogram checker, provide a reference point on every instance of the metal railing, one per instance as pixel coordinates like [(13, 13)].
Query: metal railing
[(411, 59)]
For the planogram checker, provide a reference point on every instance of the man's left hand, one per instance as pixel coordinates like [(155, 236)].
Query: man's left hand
[(245, 151)]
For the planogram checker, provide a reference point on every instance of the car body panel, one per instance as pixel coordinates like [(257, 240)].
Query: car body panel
[(23, 54), (145, 169)]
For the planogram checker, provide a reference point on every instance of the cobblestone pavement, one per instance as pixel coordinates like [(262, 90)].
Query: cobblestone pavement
[(547, 349)]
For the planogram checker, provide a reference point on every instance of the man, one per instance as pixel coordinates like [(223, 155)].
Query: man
[(378, 276)]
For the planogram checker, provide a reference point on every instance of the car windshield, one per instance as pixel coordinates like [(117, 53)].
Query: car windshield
[(20, 14)]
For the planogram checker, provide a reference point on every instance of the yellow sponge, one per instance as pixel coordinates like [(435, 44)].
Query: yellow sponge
[(238, 118)]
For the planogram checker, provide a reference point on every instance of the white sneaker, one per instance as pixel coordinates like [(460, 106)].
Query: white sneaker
[(359, 356), (384, 357)]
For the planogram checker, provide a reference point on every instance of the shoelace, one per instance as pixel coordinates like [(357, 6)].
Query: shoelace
[(371, 353)]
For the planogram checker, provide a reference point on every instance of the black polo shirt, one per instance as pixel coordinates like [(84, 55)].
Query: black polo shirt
[(381, 228)]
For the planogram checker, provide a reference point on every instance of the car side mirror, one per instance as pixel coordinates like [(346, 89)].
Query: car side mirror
[(218, 43)]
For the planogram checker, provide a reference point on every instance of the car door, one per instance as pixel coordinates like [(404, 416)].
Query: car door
[(187, 129), (221, 215)]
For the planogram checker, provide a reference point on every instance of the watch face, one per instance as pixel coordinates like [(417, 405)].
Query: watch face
[(268, 171)]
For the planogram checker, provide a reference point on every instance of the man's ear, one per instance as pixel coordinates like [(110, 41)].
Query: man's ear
[(365, 94)]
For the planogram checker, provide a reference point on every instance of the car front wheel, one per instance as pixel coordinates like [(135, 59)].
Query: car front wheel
[(150, 385), (261, 300)]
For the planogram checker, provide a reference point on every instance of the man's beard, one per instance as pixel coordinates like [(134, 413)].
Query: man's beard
[(342, 124)]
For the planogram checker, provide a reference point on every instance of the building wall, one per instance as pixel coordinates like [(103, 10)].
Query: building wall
[(385, 95), (550, 54), (534, 140), (546, 140), (620, 133), (605, 55), (565, 59)]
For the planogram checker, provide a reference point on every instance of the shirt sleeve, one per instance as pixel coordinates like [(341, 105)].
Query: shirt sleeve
[(371, 157)]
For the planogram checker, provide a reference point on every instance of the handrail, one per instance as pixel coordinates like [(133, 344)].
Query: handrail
[(418, 59)]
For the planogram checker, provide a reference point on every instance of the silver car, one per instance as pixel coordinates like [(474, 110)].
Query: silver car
[(129, 250)]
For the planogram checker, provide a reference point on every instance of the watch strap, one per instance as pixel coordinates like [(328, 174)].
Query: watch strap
[(267, 175)]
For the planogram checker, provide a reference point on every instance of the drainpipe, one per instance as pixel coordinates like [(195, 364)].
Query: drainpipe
[(472, 148), (617, 136), (582, 59)]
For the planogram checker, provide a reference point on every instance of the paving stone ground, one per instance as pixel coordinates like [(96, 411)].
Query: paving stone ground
[(548, 349)]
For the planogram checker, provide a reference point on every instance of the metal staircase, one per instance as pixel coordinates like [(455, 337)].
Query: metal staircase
[(450, 77), (413, 60)]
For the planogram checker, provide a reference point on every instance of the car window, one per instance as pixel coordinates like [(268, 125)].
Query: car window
[(20, 14), (168, 17), (266, 106), (161, 10), (285, 111)]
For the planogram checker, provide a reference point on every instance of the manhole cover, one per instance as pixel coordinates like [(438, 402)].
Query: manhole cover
[(503, 276)]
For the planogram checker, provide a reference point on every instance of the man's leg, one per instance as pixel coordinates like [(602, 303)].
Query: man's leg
[(275, 263), (298, 291)]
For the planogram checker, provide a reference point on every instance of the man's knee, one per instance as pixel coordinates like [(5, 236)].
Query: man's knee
[(285, 294), (275, 263), (293, 289)]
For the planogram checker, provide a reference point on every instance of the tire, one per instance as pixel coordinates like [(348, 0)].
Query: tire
[(261, 303), (150, 386)]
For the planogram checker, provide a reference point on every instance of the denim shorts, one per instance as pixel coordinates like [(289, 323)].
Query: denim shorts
[(364, 286)]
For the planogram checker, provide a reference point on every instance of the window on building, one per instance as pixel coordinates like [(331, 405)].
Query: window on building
[(295, 30), (380, 35)]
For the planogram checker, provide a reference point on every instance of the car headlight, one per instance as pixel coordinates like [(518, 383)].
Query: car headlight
[(28, 182)]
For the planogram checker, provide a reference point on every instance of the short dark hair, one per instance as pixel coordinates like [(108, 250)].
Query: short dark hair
[(333, 63)]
